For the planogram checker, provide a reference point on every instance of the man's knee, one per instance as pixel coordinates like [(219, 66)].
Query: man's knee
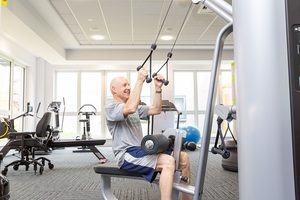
[(184, 159), (167, 162)]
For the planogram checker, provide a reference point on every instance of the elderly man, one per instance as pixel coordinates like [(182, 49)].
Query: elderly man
[(123, 120)]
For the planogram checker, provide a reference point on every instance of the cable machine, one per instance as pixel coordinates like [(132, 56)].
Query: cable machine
[(224, 10)]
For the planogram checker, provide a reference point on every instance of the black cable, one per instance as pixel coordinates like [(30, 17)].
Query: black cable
[(153, 47), (169, 55), (163, 21), (181, 26)]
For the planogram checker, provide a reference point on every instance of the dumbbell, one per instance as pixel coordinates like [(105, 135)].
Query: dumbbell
[(154, 144), (190, 146)]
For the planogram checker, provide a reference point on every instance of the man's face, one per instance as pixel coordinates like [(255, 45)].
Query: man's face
[(122, 89)]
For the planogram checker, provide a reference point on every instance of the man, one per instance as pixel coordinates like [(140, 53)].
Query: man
[(123, 120)]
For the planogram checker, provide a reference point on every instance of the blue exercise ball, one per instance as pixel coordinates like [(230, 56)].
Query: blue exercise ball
[(192, 134)]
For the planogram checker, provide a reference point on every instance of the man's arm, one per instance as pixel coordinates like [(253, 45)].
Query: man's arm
[(134, 98), (155, 108)]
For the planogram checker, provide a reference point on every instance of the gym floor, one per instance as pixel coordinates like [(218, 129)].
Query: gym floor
[(73, 178)]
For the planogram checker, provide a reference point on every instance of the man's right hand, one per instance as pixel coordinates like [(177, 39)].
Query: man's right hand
[(142, 74)]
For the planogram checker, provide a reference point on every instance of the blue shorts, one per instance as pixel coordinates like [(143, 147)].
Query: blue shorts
[(135, 160)]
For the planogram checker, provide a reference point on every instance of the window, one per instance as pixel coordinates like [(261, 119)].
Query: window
[(5, 84), (66, 87), (12, 91), (18, 95), (85, 88), (198, 82)]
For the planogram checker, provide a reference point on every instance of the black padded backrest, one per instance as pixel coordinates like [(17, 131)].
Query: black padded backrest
[(43, 125)]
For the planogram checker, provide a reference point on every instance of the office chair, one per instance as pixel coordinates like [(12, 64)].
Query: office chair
[(28, 143)]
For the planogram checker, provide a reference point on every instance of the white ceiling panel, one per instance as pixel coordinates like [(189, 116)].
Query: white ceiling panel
[(124, 22)]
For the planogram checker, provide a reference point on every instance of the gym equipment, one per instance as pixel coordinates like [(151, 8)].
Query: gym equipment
[(148, 78), (54, 107), (231, 163), (8, 125), (192, 146), (227, 149), (169, 55), (84, 145), (224, 113), (54, 143), (86, 110), (109, 170), (166, 107), (223, 9), (169, 106), (154, 144), (268, 96), (193, 134), (28, 143)]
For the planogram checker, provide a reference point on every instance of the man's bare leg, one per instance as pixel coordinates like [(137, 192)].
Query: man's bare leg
[(184, 165), (166, 165)]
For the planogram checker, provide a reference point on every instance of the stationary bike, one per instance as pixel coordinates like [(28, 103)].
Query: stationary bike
[(86, 110)]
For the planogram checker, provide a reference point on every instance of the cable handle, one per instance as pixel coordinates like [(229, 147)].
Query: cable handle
[(164, 81), (148, 78)]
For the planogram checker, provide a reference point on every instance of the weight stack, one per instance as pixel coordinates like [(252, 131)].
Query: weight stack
[(231, 163)]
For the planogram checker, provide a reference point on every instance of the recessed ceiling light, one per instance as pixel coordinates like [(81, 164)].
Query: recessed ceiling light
[(169, 29), (90, 20), (93, 29), (167, 37), (97, 37)]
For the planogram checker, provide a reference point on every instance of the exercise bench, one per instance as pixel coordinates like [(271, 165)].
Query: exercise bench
[(109, 170)]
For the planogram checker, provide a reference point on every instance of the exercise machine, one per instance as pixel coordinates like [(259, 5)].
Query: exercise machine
[(54, 107), (8, 125), (151, 144), (228, 148), (268, 96), (224, 113), (83, 144), (224, 10), (86, 110), (54, 142), (167, 106)]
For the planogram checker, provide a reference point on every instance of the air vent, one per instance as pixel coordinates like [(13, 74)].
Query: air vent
[(204, 10)]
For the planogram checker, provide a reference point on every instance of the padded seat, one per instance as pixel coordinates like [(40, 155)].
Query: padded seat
[(112, 170)]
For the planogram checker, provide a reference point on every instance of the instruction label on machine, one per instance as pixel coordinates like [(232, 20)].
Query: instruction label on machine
[(296, 54)]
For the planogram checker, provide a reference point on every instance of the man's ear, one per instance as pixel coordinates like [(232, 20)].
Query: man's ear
[(113, 89)]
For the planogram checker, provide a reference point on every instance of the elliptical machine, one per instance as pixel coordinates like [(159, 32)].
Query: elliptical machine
[(54, 107)]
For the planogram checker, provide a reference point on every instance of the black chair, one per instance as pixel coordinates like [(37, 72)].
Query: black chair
[(28, 142)]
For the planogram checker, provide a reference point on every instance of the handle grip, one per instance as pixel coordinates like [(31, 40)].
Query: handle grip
[(148, 79), (165, 82)]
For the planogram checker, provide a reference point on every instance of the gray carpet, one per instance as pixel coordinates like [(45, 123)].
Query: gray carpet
[(73, 178)]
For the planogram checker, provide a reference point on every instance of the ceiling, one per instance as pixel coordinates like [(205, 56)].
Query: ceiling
[(68, 26)]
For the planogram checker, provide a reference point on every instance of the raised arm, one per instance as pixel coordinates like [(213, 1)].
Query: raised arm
[(155, 108), (134, 98)]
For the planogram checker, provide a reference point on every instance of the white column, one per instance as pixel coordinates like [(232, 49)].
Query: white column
[(263, 103)]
